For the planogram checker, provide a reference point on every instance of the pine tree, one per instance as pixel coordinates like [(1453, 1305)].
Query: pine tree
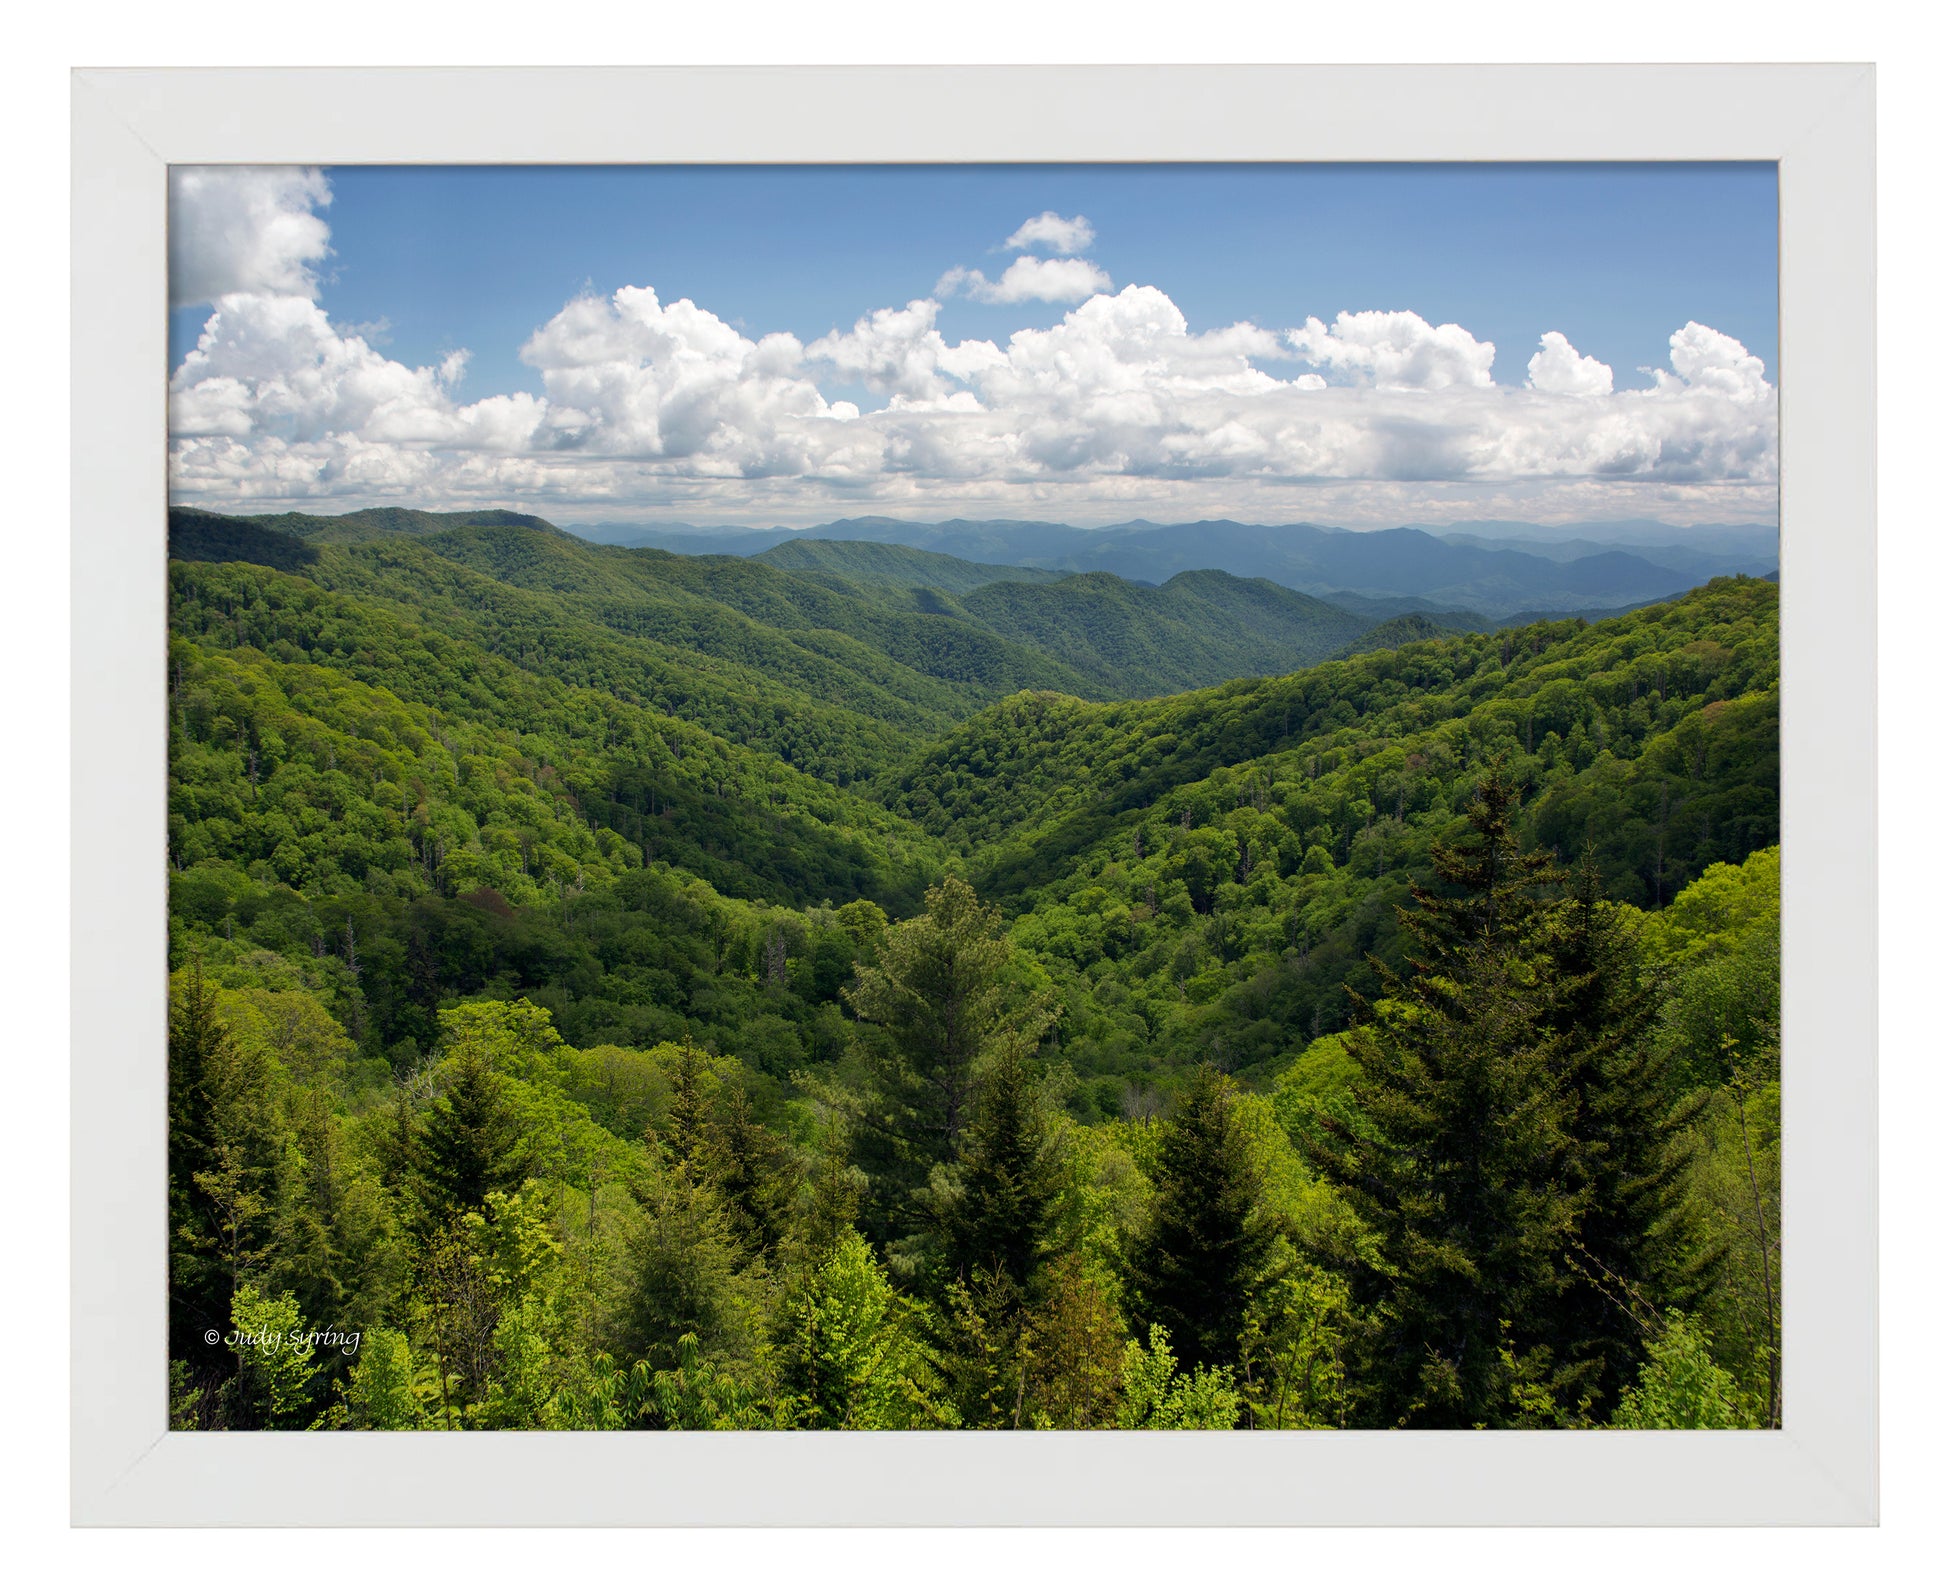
[(227, 1150), (1458, 1158), (937, 1007), (1208, 1245), (1638, 1250), (689, 1085), (199, 1289), (995, 1217), (715, 1142), (469, 1144)]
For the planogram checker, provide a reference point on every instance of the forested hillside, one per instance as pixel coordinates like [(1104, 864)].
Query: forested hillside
[(889, 564), (619, 989)]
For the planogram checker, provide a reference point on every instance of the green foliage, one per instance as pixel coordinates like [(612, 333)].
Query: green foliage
[(1155, 1394), (935, 1005), (886, 563), (1207, 1246), (1072, 1347), (1639, 1236), (274, 1357), (380, 1396), (1722, 938), (1196, 629), (1460, 1159), (696, 1396), (847, 1357), (628, 991), (1291, 1361), (1680, 1385), (994, 1211), (470, 1145)]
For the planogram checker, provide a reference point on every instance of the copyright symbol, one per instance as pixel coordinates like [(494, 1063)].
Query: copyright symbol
[(211, 1336)]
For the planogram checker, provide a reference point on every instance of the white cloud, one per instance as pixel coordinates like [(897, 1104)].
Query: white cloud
[(1119, 404), (1061, 234), (1396, 348), (631, 377), (1029, 277), (1706, 358), (901, 352), (244, 229), (1561, 368)]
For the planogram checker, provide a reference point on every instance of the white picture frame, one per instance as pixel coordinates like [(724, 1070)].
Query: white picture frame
[(1816, 122)]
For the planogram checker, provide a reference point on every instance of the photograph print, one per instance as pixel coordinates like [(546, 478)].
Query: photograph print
[(973, 797)]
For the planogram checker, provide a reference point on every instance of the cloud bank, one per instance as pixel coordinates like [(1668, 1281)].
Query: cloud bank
[(1119, 407)]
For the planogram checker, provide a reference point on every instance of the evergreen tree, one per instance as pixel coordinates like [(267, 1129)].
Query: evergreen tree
[(993, 1217), (226, 1152), (469, 1144), (1459, 1155), (1638, 1249), (685, 1273), (937, 1007), (689, 1087), (1207, 1245), (715, 1142)]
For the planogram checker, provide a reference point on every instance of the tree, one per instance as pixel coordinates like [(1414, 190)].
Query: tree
[(380, 1396), (937, 1006), (1458, 1155), (470, 1143), (846, 1358), (460, 1309), (1207, 1244), (198, 1047), (993, 1215), (1156, 1394), (226, 1152), (1073, 1350), (686, 1274), (1638, 1247), (1291, 1370), (274, 1362), (715, 1141), (1681, 1386)]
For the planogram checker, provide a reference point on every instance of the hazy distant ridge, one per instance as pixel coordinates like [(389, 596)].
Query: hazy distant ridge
[(1491, 568)]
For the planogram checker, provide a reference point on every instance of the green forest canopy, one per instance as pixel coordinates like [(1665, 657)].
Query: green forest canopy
[(567, 1000)]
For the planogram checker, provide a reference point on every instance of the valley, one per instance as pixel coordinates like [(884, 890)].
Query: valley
[(651, 859)]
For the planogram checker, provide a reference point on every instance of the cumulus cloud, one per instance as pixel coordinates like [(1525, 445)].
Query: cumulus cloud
[(244, 229), (640, 402), (1029, 277), (1562, 368), (1396, 348), (1049, 230), (901, 352), (1709, 360)]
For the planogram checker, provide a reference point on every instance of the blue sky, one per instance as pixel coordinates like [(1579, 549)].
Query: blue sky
[(1615, 259)]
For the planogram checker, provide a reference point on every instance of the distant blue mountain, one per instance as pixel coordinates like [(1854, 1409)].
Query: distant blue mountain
[(1491, 568)]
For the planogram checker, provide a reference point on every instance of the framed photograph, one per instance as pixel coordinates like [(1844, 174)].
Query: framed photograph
[(974, 796)]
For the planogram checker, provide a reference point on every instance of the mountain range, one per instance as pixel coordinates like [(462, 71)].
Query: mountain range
[(1490, 569), (908, 638)]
